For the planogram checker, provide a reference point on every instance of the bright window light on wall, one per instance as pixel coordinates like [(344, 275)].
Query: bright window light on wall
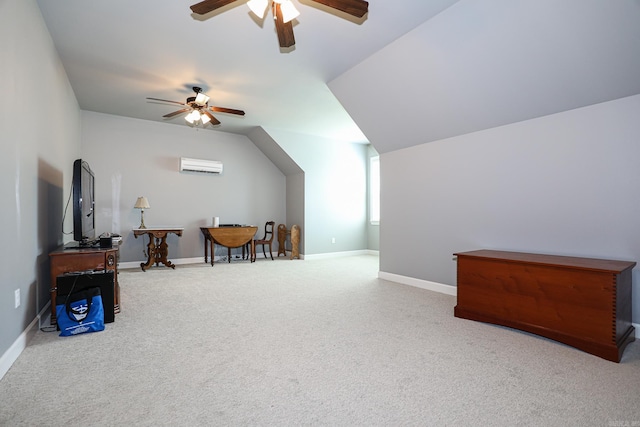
[(374, 190)]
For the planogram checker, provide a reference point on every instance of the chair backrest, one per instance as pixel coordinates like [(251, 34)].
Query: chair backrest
[(268, 231)]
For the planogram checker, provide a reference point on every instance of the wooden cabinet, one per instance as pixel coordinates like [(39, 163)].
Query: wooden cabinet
[(75, 260), (582, 302)]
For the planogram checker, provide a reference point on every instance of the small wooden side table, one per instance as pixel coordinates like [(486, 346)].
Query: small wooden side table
[(157, 249), (231, 237)]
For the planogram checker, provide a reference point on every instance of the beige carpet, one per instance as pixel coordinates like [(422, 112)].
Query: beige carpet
[(314, 342)]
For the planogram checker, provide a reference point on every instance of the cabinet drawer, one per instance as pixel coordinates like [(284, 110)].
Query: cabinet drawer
[(80, 261)]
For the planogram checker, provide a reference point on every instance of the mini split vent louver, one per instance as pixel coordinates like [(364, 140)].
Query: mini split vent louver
[(200, 165)]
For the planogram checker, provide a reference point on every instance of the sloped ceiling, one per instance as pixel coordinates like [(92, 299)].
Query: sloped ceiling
[(412, 71), (482, 64), (119, 52)]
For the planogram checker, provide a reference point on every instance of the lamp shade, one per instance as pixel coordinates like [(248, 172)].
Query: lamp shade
[(142, 203), (289, 11), (189, 117), (259, 7), (201, 99)]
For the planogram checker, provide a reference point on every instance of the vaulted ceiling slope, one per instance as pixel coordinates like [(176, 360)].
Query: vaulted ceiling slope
[(117, 53), (482, 64)]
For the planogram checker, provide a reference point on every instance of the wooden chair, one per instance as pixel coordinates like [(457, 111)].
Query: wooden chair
[(266, 240)]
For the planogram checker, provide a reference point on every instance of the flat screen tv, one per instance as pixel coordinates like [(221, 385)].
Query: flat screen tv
[(84, 223)]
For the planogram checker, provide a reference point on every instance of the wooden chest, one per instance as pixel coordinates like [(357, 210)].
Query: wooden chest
[(582, 302)]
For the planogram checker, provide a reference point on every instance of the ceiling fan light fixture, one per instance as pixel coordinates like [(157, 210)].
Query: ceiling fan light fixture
[(289, 11), (284, 12), (259, 7), (193, 116), (196, 108), (201, 99)]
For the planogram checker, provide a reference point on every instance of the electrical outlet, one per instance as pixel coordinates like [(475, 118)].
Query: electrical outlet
[(17, 297), (333, 240)]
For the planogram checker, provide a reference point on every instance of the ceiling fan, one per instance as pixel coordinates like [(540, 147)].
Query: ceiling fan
[(198, 108), (284, 11)]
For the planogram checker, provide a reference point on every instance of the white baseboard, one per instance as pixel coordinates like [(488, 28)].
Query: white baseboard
[(12, 354), (340, 254), (419, 283)]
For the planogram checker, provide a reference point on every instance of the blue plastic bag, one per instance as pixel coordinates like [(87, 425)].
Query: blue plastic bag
[(80, 312)]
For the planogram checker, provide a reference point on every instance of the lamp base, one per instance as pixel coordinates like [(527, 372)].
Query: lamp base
[(142, 220)]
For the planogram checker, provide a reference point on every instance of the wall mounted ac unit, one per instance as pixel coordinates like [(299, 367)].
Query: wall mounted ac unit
[(200, 165)]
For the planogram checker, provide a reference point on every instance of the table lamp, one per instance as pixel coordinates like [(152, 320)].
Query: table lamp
[(142, 203)]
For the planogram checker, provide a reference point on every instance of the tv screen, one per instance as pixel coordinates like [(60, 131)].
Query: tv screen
[(83, 203)]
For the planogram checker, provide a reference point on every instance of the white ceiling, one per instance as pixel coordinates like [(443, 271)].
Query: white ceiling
[(119, 52), (488, 63), (412, 71)]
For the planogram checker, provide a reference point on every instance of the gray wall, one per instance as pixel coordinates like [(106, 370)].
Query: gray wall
[(373, 230), (295, 206), (335, 191), (294, 176), (495, 133), (565, 184), (36, 162), (132, 158)]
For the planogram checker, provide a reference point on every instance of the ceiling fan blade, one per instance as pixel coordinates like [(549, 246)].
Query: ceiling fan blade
[(213, 121), (166, 100), (357, 8), (285, 30), (175, 113), (207, 6), (227, 110)]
